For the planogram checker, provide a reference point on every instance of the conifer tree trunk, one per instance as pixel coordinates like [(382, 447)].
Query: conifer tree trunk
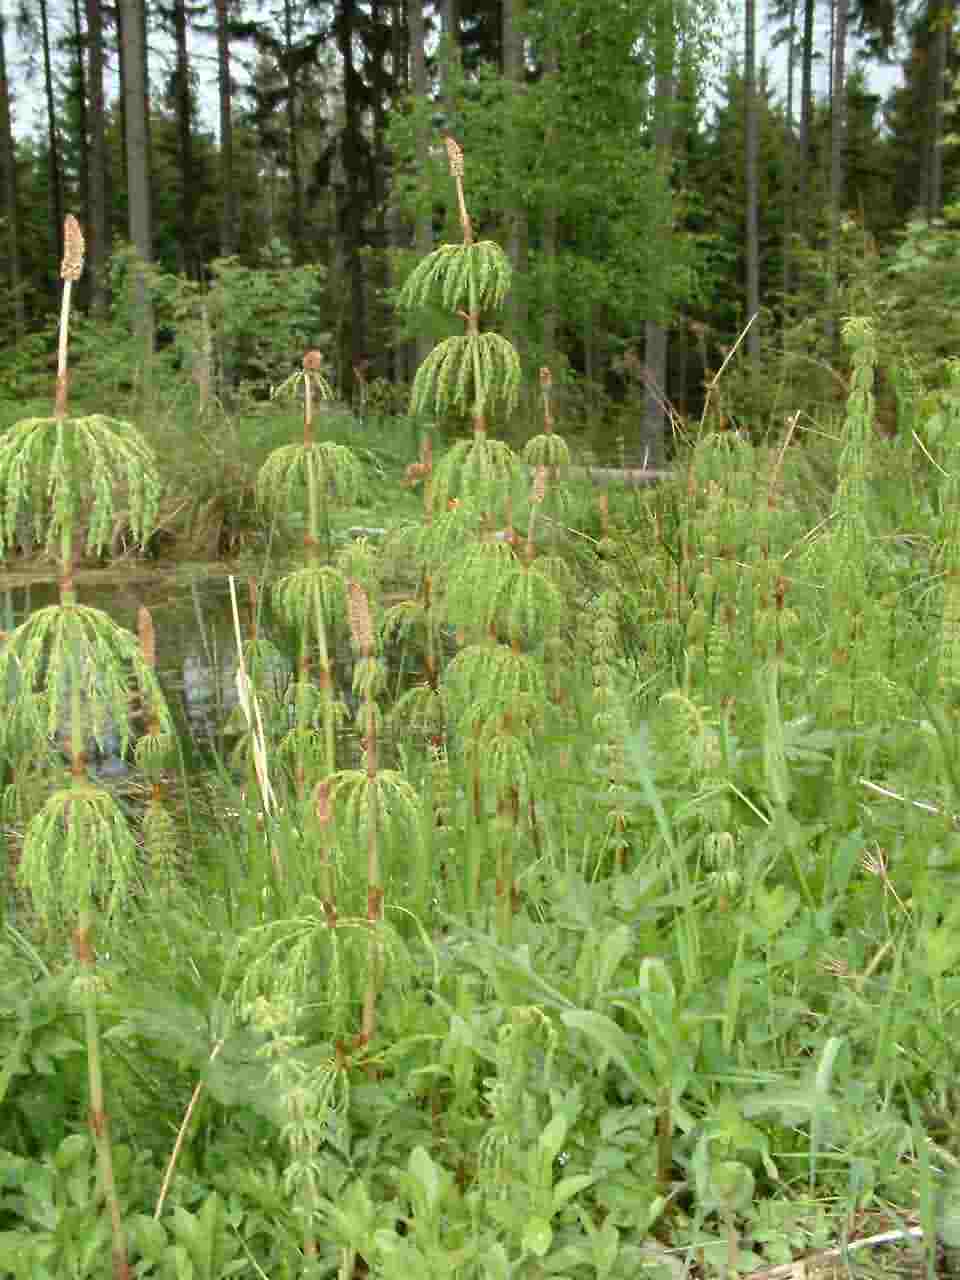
[(53, 139), (550, 308), (80, 94), (838, 141), (652, 436), (789, 178), (379, 167), (8, 177), (184, 111), (293, 138), (514, 75), (941, 23), (138, 161), (98, 237), (423, 231), (395, 226), (353, 160), (122, 95), (751, 160), (806, 117), (450, 17), (228, 242)]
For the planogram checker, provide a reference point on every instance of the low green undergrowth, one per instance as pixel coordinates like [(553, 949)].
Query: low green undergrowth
[(596, 916)]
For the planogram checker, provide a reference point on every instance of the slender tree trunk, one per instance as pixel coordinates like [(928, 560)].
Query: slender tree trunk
[(138, 165), (98, 237), (423, 230), (450, 14), (789, 178), (8, 176), (122, 96), (293, 138), (652, 439), (806, 118), (53, 141), (379, 167), (184, 109), (514, 75), (941, 22), (751, 157), (83, 124), (395, 228), (353, 160), (550, 307), (838, 143), (228, 242)]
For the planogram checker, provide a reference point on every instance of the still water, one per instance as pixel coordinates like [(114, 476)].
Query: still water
[(195, 637)]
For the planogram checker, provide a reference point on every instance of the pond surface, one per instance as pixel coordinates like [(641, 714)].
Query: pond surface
[(195, 633)]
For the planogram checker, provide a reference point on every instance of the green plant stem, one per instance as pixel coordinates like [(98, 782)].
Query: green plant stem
[(99, 1124), (374, 886), (505, 890), (314, 512)]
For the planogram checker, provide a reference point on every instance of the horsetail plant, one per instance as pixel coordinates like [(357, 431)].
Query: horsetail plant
[(370, 799), (950, 506), (472, 372), (78, 854), (312, 596), (853, 625)]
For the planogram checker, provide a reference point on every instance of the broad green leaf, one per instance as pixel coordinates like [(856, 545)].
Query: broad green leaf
[(425, 1173), (567, 1188), (537, 1237), (605, 1033)]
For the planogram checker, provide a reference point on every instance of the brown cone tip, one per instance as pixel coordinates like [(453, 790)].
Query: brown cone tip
[(73, 249)]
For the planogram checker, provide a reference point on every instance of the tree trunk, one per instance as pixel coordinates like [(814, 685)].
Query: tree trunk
[(751, 159), (941, 22), (228, 242), (838, 139), (423, 230), (184, 110), (83, 129), (379, 169), (353, 160), (8, 177), (122, 95), (806, 118), (789, 180), (514, 76), (549, 305), (138, 165), (293, 139), (450, 15), (399, 67), (98, 236), (653, 429), (53, 141)]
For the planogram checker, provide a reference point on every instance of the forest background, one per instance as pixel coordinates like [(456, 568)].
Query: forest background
[(649, 204)]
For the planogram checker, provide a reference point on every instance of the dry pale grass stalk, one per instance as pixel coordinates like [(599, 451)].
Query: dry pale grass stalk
[(250, 707), (181, 1135)]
